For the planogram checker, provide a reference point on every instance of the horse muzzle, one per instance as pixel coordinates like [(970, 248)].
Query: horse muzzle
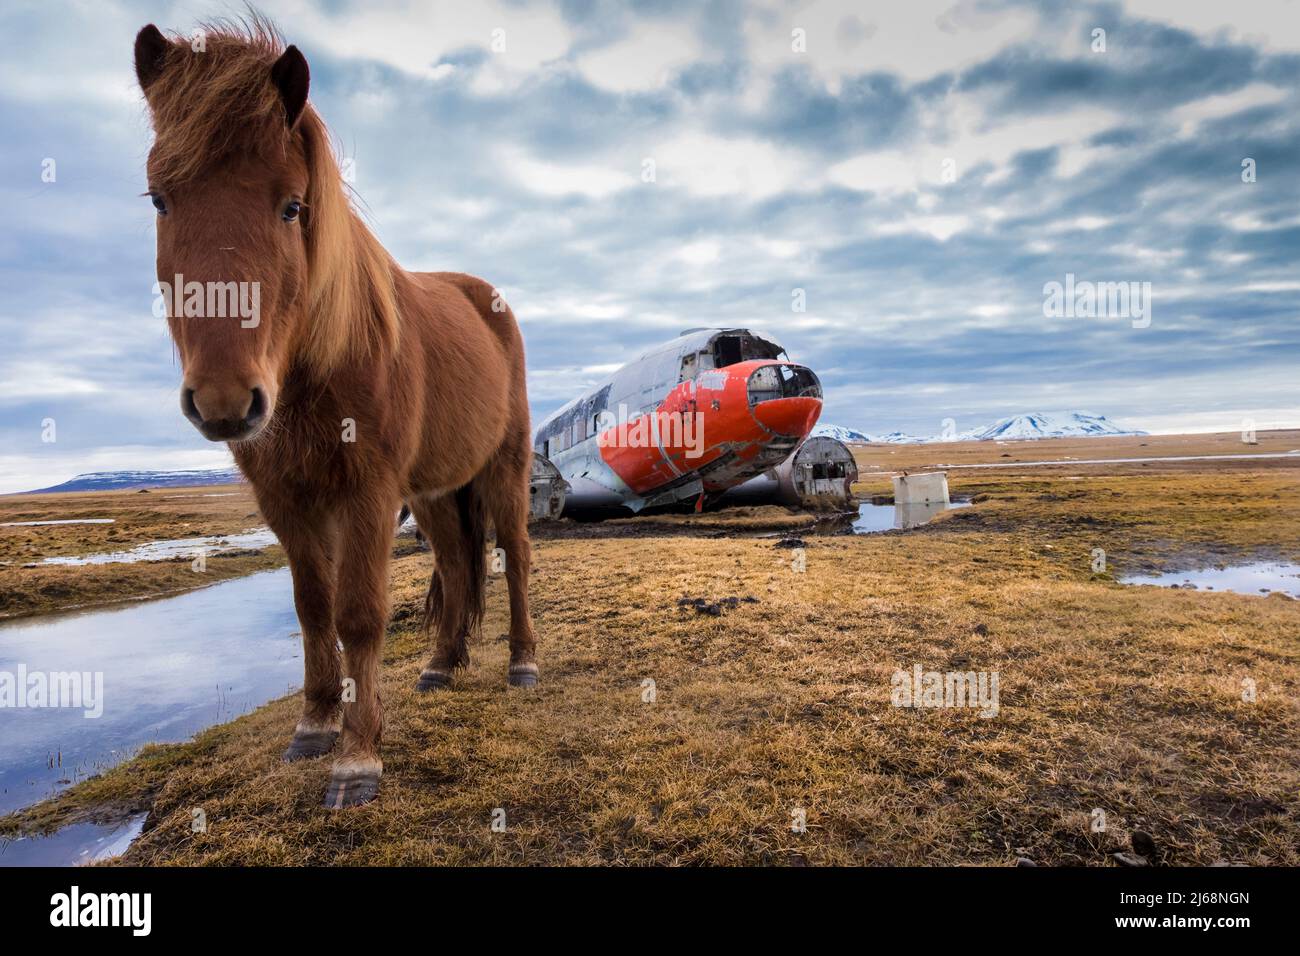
[(226, 415)]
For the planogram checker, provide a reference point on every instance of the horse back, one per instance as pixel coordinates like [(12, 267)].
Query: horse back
[(465, 337), (491, 308)]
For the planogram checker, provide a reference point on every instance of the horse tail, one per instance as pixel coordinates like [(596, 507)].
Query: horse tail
[(473, 532)]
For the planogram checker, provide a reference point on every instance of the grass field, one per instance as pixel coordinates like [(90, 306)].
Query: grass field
[(1112, 697), (889, 458)]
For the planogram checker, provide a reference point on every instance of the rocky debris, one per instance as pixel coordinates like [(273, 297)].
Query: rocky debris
[(713, 608), (1130, 859), (1143, 843), (791, 543), (1025, 861), (233, 553)]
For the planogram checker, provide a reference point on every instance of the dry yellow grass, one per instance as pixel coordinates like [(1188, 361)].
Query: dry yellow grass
[(1124, 699), (889, 458)]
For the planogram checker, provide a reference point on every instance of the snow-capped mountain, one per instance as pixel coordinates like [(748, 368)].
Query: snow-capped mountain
[(847, 435), (1039, 425), (1024, 427), (119, 480), (902, 438)]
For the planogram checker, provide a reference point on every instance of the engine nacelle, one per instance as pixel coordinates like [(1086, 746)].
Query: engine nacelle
[(819, 474)]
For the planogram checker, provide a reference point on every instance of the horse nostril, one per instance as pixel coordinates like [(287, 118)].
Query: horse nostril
[(188, 408), (257, 410)]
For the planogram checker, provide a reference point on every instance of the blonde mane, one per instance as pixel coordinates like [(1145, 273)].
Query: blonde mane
[(212, 104)]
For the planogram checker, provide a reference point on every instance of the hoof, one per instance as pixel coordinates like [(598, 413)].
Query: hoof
[(307, 745), (351, 788), (522, 675), (431, 679)]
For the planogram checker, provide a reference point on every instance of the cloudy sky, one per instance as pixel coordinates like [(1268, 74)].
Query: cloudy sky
[(920, 170)]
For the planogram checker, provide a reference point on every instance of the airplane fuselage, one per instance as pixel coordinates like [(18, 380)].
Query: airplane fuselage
[(683, 422)]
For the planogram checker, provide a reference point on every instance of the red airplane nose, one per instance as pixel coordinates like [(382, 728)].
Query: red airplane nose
[(789, 416), (785, 398)]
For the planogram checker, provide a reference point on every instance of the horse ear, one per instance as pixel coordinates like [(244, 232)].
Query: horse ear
[(291, 77), (150, 50)]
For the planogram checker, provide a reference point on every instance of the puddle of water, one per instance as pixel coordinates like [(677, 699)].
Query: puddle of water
[(872, 519), (175, 548), (33, 524), (72, 846), (170, 668), (1243, 579)]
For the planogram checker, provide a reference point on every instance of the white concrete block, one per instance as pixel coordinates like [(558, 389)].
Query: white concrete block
[(928, 488)]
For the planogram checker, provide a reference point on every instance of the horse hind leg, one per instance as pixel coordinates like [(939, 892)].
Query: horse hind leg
[(454, 605), (506, 491)]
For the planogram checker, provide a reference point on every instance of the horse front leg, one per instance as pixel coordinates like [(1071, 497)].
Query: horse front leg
[(365, 529), (308, 538)]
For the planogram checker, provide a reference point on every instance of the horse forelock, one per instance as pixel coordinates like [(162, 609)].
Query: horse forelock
[(212, 105), (214, 98)]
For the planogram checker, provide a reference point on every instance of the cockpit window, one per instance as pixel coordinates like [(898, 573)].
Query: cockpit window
[(783, 381), (689, 367)]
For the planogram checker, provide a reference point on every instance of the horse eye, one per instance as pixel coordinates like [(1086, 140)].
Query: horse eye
[(291, 211), (159, 203)]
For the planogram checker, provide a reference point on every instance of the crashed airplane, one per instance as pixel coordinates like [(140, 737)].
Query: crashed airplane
[(712, 412)]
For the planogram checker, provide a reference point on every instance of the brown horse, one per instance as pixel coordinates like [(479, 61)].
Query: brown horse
[(355, 386)]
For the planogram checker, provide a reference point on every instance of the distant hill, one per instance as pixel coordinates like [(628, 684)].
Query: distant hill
[(120, 480), (1024, 427)]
